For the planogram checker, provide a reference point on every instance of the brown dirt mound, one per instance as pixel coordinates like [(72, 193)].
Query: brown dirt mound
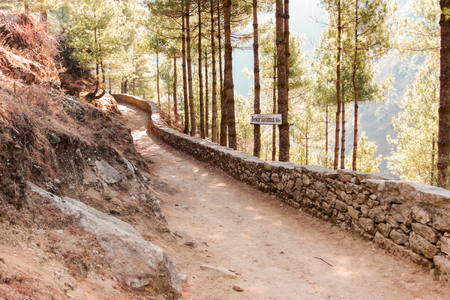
[(27, 52)]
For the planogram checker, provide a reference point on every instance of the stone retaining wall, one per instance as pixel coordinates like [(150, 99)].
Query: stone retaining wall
[(408, 219)]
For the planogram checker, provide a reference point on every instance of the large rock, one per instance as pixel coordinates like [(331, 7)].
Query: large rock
[(425, 231), (442, 265), (136, 262), (422, 246), (108, 173)]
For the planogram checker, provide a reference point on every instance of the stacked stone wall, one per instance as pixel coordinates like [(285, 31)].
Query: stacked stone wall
[(408, 219)]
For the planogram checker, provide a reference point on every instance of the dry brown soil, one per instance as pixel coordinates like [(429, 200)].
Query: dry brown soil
[(273, 250)]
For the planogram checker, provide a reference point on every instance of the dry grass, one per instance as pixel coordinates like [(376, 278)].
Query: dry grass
[(27, 52)]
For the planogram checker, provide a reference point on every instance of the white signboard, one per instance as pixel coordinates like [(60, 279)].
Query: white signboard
[(266, 119)]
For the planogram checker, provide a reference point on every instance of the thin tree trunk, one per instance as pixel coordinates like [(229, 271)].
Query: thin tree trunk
[(338, 90), (444, 96), (134, 86), (326, 135), (206, 96), (157, 79), (274, 106), (200, 77), (306, 143), (223, 103), (286, 41), (433, 159), (189, 69), (26, 7), (175, 109), (343, 137), (256, 104), (214, 79), (355, 88), (283, 103), (183, 62), (228, 82)]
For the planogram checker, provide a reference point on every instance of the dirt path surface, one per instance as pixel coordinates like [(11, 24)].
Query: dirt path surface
[(267, 249)]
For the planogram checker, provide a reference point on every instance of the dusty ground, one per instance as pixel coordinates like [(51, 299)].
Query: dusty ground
[(271, 250)]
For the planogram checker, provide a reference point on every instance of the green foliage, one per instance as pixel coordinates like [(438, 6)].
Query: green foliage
[(415, 151), (366, 160), (418, 33)]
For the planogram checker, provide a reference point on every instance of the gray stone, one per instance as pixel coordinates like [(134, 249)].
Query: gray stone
[(341, 206), (321, 188), (306, 180), (275, 177), (348, 199), (219, 270), (422, 246), (345, 178), (445, 245), (299, 183), (290, 184), (367, 224), (129, 165), (108, 173), (365, 210), (326, 208), (384, 229), (425, 231), (378, 214), (361, 198), (11, 18), (441, 221), (134, 261), (353, 213), (398, 237), (265, 177), (372, 203), (331, 198), (391, 221), (442, 265), (406, 229), (420, 215)]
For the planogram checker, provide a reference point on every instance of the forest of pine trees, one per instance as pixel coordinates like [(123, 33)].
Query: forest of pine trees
[(179, 53)]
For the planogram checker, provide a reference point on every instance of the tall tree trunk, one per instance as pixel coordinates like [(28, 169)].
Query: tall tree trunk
[(183, 62), (223, 102), (326, 135), (274, 106), (189, 69), (355, 88), (103, 73), (157, 79), (26, 7), (433, 159), (256, 104), (228, 83), (175, 108), (206, 96), (444, 97), (306, 144), (283, 103), (338, 90), (286, 46), (343, 137), (200, 78), (134, 86), (214, 79)]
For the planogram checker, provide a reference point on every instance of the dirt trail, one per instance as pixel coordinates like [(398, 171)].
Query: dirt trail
[(274, 251)]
